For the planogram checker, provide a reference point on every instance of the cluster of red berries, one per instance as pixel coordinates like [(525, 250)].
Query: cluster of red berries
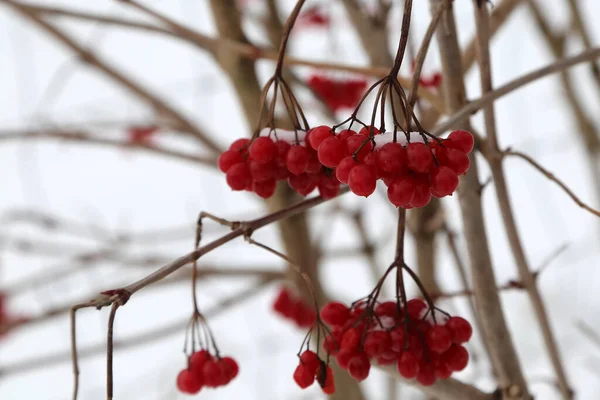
[(311, 367), (421, 347), (206, 370), (291, 307), (313, 17), (431, 82), (338, 94)]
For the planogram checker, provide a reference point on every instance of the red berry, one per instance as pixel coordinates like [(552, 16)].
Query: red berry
[(198, 359), (408, 365), (460, 140), (238, 177), (388, 308), (231, 368), (310, 360), (297, 159), (344, 167), (426, 375), (401, 191), (455, 159), (359, 367), (439, 339), (314, 165), (362, 181), (392, 159), (419, 157), (188, 382), (262, 150), (415, 308), (377, 343), (332, 342), (461, 329), (444, 181), (283, 303), (282, 149), (343, 357), (328, 192), (318, 135), (371, 162), (303, 183), (442, 371), (228, 159), (326, 380), (331, 152), (422, 195), (353, 143), (366, 130), (335, 313), (305, 316), (351, 339), (264, 189), (456, 357), (388, 358), (239, 144), (262, 172), (213, 373), (303, 376), (345, 134)]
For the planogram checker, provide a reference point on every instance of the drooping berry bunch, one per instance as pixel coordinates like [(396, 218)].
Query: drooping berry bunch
[(311, 368), (338, 94), (256, 165), (422, 347), (206, 370), (290, 306)]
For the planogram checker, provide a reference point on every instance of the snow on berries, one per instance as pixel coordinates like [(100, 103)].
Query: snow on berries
[(291, 307), (206, 370), (421, 347), (414, 167)]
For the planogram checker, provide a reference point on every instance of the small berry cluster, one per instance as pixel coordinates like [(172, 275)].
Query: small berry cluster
[(311, 367), (313, 17), (291, 307), (431, 82), (421, 347), (338, 94), (206, 370)]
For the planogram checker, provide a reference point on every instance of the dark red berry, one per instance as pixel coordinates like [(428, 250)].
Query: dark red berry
[(461, 329), (388, 308), (444, 181), (303, 376), (239, 144), (422, 196), (187, 382), (419, 157), (230, 367), (213, 373), (362, 181), (392, 159), (353, 143), (228, 159), (262, 172), (198, 359), (311, 360), (335, 313), (415, 307), (401, 191), (263, 150), (408, 365), (439, 338), (377, 343), (426, 375), (297, 159), (456, 357), (326, 380), (332, 342), (359, 367), (264, 189), (238, 177)]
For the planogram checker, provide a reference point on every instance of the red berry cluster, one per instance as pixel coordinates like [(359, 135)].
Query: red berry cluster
[(291, 307), (311, 367), (257, 165), (431, 82), (419, 347), (338, 94), (313, 17), (206, 370)]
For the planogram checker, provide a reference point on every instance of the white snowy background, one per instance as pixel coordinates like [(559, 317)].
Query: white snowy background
[(41, 84)]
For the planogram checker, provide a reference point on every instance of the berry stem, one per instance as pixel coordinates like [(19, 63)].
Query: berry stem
[(289, 24), (403, 38)]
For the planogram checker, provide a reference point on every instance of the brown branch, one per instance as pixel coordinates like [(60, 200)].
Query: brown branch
[(553, 178), (487, 301), (109, 351)]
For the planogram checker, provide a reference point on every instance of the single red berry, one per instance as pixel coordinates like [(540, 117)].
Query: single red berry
[(306, 316), (439, 338), (344, 167), (228, 159), (263, 150), (387, 308), (377, 343), (187, 382), (262, 172), (314, 165), (198, 359), (231, 368), (442, 371), (303, 376), (371, 162), (213, 373), (343, 357), (455, 159), (460, 140), (362, 181), (419, 157), (461, 329), (282, 149), (297, 159), (238, 177), (359, 367), (398, 336), (310, 360), (426, 375), (408, 365), (328, 192), (444, 181), (264, 189), (325, 379), (415, 308), (318, 135), (239, 144), (355, 142), (302, 183), (351, 339), (456, 357), (345, 134), (366, 130), (284, 302), (335, 313), (401, 191), (422, 196), (392, 159), (331, 152)]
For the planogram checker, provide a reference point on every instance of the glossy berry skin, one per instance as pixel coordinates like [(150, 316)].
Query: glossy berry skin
[(332, 342), (310, 360), (362, 181), (415, 307), (444, 181), (240, 144), (331, 152), (366, 131), (422, 195), (263, 150), (326, 380), (230, 368), (297, 159), (187, 382), (408, 365), (343, 169), (419, 157), (228, 159), (264, 189), (461, 329), (335, 314), (261, 172), (460, 140), (345, 134), (303, 376), (328, 192), (353, 143), (401, 191), (439, 339), (214, 375), (198, 359), (392, 159), (456, 357), (426, 375), (238, 177), (455, 159), (318, 135), (359, 367)]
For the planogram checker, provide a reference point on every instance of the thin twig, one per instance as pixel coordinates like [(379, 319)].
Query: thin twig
[(109, 352)]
